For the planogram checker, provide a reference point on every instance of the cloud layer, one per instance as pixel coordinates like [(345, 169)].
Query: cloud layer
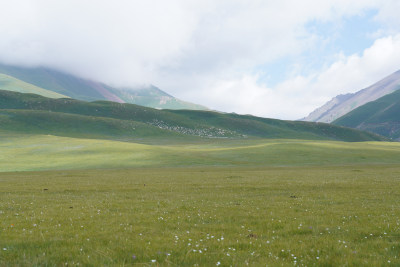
[(209, 52)]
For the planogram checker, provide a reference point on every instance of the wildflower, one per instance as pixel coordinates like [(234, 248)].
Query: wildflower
[(153, 260), (133, 257), (218, 263)]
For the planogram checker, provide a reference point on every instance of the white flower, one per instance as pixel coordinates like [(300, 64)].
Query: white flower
[(218, 263), (153, 260)]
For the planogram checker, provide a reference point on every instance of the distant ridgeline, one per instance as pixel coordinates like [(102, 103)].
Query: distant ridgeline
[(374, 109), (35, 114), (55, 84), (343, 104), (381, 116)]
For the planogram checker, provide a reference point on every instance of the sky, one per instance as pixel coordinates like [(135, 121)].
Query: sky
[(278, 59)]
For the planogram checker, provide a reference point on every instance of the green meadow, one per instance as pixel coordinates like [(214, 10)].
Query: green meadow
[(202, 216), (215, 202), (20, 152)]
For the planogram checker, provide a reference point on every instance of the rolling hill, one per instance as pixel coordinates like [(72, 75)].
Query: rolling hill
[(30, 113), (342, 104), (381, 116), (46, 79)]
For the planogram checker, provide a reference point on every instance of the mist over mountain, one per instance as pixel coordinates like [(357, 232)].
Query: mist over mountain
[(52, 83)]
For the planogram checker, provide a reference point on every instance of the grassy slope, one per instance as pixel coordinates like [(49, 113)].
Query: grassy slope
[(12, 84), (273, 128), (381, 116), (188, 123), (344, 216), (55, 81), (72, 125)]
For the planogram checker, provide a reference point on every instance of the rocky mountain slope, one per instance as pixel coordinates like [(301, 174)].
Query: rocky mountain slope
[(343, 104), (381, 116)]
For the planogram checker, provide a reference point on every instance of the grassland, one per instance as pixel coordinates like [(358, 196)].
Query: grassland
[(205, 216), (46, 152), (209, 203), (105, 184)]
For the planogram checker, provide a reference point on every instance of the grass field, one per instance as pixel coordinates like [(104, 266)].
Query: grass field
[(43, 152), (257, 216), (205, 203)]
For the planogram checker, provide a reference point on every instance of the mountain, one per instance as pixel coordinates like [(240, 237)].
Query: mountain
[(30, 113), (381, 116), (68, 85), (342, 104), (13, 84), (152, 96)]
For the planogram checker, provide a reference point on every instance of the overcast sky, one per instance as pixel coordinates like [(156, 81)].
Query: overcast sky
[(279, 59)]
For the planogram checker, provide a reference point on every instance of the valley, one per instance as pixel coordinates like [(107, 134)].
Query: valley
[(106, 183), (199, 133)]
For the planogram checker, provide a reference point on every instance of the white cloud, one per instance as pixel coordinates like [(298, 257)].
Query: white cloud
[(298, 96), (204, 51), (389, 15)]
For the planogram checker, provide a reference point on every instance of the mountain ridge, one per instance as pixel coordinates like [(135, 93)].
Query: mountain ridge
[(381, 116), (342, 104)]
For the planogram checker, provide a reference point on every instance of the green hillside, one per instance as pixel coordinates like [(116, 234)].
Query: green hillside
[(12, 84), (54, 81), (381, 116), (116, 121)]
